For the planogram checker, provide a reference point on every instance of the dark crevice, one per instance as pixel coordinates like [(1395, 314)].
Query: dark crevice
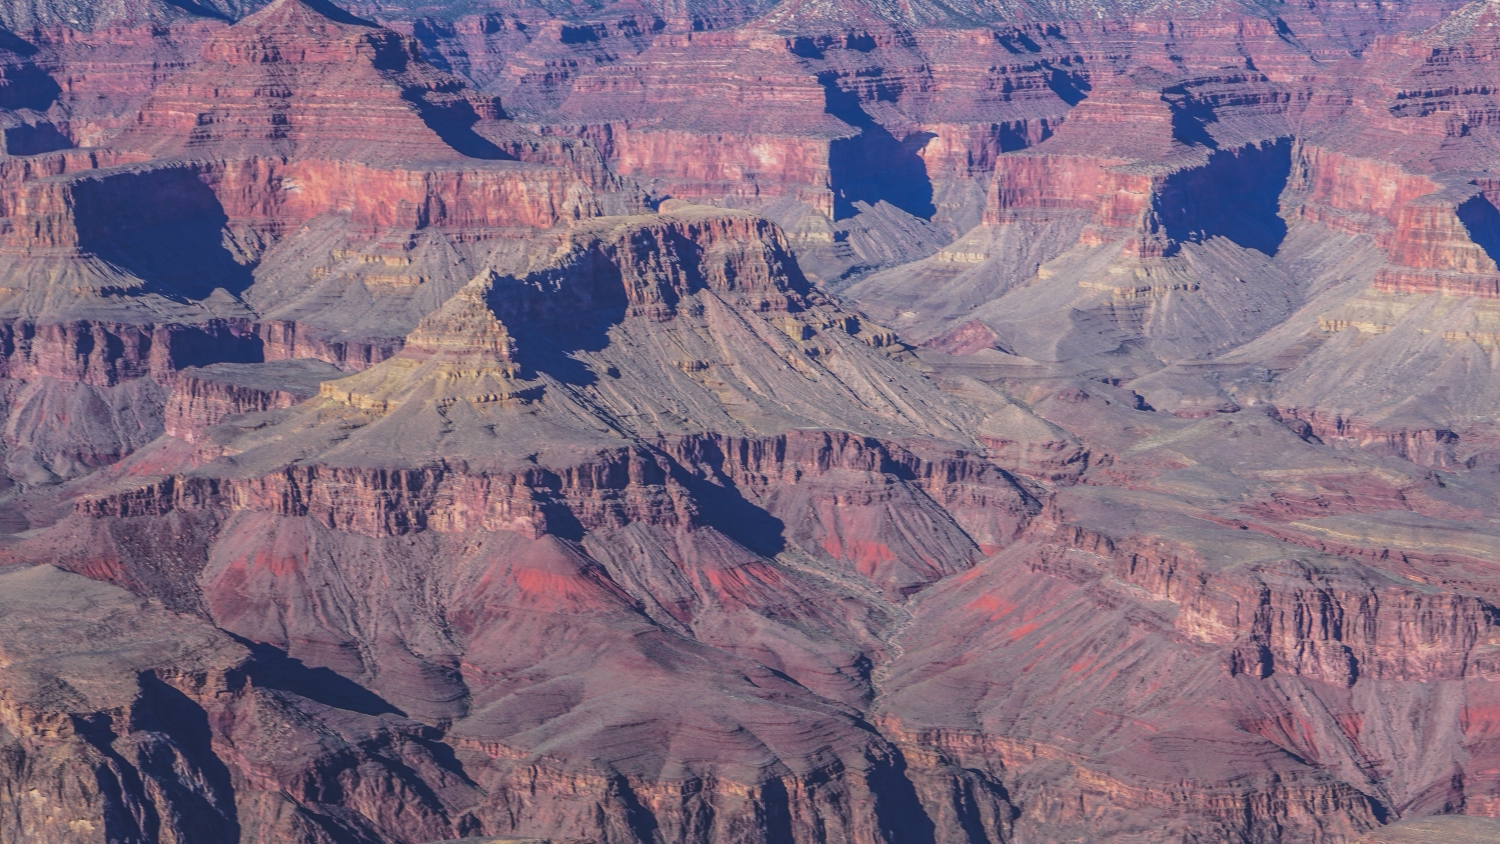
[(128, 818), (968, 788), (207, 815), (35, 139), (807, 48), (199, 10), (642, 822), (430, 33), (28, 86), (578, 34), (1236, 194), (1482, 220), (874, 166), (337, 13), (898, 810), (215, 342), (165, 227), (1191, 118), (776, 808), (1018, 42), (11, 42), (562, 522), (1070, 86), (454, 122), (721, 503), (273, 668), (555, 314), (723, 507)]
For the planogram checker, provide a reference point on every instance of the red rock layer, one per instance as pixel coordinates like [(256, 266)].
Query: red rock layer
[(1153, 208), (1113, 199), (303, 82), (770, 139), (1427, 447), (104, 354), (60, 204), (1125, 625), (1288, 621), (286, 340), (198, 403), (803, 108), (1416, 218)]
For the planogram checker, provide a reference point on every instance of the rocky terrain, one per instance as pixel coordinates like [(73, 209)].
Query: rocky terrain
[(1450, 829), (687, 422)]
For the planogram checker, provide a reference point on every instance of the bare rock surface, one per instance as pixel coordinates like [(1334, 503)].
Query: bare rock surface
[(834, 421), (1457, 829)]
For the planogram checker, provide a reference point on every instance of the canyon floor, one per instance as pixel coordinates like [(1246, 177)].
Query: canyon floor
[(749, 421)]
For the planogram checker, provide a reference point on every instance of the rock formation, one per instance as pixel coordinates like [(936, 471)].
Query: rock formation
[(749, 422)]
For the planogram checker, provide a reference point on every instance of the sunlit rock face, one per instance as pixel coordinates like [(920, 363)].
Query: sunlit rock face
[(835, 422)]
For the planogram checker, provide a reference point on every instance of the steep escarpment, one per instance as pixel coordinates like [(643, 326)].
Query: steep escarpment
[(536, 478), (158, 730), (550, 502), (754, 423), (162, 241), (203, 397), (1434, 233), (1227, 626)]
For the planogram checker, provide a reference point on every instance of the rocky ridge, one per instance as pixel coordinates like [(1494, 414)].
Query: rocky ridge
[(983, 424)]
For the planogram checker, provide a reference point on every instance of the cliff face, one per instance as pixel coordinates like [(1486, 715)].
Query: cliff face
[(204, 397), (1436, 235), (1152, 212), (747, 423), (262, 140), (1273, 657)]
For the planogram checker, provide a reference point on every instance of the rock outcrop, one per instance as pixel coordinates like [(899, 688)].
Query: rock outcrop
[(757, 422), (203, 397)]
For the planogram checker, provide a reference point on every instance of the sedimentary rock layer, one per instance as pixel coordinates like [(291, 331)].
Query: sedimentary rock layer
[(835, 422)]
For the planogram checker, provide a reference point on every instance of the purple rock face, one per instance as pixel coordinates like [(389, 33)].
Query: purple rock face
[(749, 423)]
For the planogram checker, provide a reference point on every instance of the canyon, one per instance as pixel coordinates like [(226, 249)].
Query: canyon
[(750, 422)]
